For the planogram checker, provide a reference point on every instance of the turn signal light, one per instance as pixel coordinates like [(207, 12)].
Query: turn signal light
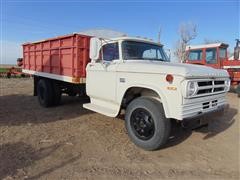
[(169, 78)]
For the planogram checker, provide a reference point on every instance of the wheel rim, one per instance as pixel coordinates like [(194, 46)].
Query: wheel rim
[(142, 124)]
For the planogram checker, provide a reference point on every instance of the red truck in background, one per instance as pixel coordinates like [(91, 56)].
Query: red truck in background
[(216, 56)]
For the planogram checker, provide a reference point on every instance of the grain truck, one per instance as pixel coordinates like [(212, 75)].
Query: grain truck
[(125, 74)]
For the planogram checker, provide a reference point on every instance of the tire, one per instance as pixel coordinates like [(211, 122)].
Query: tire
[(57, 94), (154, 136), (45, 93)]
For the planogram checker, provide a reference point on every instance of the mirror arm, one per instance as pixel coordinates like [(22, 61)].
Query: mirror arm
[(101, 49)]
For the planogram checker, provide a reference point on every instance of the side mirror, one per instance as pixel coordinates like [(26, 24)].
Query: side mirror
[(95, 46)]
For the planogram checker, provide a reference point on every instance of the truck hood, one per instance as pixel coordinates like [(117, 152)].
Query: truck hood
[(180, 69)]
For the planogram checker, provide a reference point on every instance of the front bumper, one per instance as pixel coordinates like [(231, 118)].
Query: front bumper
[(204, 106), (204, 118), (220, 110)]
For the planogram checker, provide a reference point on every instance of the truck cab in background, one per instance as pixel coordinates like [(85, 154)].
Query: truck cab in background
[(216, 56), (211, 55)]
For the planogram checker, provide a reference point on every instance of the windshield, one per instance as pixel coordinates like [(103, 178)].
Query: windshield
[(143, 51)]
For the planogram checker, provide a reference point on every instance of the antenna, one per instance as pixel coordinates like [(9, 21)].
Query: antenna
[(159, 34)]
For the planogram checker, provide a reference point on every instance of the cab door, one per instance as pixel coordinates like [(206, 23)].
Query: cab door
[(101, 75)]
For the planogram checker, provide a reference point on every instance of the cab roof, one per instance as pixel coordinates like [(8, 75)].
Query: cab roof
[(207, 46), (140, 39)]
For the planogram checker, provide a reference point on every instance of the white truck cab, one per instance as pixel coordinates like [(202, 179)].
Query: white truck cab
[(135, 74)]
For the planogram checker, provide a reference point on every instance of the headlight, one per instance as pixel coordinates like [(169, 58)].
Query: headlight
[(191, 88), (227, 84)]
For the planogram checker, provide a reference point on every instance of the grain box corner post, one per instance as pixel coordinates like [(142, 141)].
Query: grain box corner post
[(62, 58)]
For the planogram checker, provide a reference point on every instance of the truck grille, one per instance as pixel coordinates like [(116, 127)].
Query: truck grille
[(210, 87)]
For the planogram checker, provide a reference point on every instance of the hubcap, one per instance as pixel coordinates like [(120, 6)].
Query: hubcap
[(142, 124)]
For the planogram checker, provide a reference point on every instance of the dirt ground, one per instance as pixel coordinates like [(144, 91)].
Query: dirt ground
[(69, 142)]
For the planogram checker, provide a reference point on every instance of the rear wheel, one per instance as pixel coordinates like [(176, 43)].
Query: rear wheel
[(146, 123), (45, 93), (57, 94)]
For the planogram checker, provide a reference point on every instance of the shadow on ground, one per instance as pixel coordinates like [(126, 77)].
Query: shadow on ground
[(216, 125), (16, 157), (219, 124), (22, 109), (178, 135)]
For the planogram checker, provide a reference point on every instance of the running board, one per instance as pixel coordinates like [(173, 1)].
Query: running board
[(100, 109)]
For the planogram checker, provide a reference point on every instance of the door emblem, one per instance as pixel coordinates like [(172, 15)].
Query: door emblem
[(122, 80)]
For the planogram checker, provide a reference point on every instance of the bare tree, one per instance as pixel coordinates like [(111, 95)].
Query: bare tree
[(187, 32)]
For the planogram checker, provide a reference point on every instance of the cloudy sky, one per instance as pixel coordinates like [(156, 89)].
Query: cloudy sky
[(28, 20)]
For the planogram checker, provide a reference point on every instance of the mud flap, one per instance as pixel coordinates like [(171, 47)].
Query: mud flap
[(194, 123), (35, 82)]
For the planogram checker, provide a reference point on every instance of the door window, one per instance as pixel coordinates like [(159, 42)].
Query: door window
[(110, 52), (211, 56), (222, 53)]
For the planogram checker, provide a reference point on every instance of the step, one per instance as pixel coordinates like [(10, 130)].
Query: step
[(100, 109)]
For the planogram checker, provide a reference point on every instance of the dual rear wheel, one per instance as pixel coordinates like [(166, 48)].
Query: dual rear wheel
[(49, 93)]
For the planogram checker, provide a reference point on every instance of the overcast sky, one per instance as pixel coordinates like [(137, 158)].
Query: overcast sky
[(28, 20)]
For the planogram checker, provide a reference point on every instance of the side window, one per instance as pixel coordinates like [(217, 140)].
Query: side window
[(110, 52), (211, 56), (195, 55), (222, 52)]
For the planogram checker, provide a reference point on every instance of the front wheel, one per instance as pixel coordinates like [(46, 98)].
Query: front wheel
[(146, 123)]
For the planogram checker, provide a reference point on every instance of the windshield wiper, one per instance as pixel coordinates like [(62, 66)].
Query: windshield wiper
[(135, 58), (152, 59)]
